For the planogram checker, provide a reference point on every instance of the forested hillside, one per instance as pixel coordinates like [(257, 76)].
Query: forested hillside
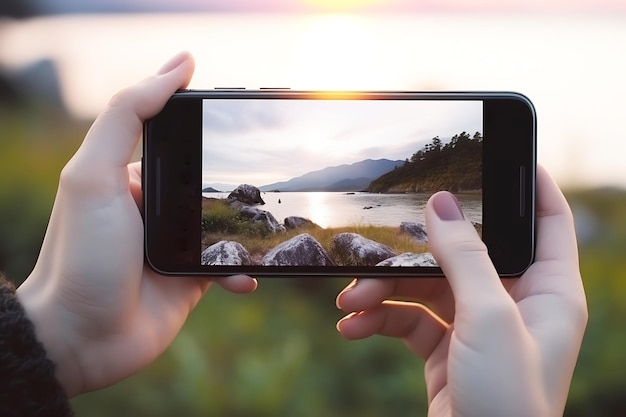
[(454, 166)]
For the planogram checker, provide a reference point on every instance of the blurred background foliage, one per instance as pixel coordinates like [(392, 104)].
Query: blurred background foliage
[(276, 352)]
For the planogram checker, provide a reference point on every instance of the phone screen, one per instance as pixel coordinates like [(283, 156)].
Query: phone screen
[(314, 183), (342, 182)]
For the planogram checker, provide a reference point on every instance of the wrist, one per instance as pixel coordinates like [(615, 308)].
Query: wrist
[(49, 330), (28, 383)]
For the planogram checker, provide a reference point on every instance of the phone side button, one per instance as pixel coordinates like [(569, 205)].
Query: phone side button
[(158, 187), (522, 191)]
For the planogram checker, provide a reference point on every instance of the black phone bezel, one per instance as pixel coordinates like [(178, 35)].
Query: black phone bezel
[(172, 165)]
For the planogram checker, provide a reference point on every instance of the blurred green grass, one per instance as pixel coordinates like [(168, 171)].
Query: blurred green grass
[(599, 384), (272, 353), (35, 144), (276, 352)]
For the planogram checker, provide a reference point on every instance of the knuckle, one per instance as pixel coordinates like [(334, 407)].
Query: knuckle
[(500, 309), (120, 98), (498, 316), (579, 311), (468, 246), (72, 176), (80, 177)]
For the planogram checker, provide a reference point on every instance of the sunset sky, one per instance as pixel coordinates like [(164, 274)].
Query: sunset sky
[(246, 6), (566, 56)]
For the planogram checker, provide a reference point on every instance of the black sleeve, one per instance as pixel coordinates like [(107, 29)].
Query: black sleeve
[(28, 386)]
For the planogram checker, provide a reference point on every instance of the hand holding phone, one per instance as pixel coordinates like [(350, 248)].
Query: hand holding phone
[(92, 299), (333, 183), (515, 340)]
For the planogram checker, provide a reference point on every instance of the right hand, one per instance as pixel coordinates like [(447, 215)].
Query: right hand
[(492, 347)]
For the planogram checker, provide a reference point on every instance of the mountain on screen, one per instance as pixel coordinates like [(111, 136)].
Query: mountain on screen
[(345, 178)]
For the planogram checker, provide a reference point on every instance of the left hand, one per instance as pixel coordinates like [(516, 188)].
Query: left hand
[(100, 311)]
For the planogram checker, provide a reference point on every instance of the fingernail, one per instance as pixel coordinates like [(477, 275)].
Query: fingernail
[(173, 63), (348, 288), (447, 206), (346, 318)]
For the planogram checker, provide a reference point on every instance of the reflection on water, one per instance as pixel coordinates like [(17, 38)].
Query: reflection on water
[(342, 209)]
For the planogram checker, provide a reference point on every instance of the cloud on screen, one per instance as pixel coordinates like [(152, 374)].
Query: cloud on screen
[(276, 140)]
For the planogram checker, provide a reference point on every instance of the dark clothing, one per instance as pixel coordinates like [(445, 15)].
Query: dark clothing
[(28, 386)]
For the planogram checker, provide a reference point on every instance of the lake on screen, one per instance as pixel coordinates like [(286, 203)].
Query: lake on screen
[(337, 209)]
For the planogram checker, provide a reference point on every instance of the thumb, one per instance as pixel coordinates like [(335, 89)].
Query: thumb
[(464, 259), (115, 134), (489, 339)]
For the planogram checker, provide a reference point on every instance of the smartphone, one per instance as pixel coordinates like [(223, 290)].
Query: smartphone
[(314, 183)]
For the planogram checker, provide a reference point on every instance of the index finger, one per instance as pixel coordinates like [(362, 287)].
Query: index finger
[(367, 293)]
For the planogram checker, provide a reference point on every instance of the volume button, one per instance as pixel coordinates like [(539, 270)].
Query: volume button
[(522, 191)]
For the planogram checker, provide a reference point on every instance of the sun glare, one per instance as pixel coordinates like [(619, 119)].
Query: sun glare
[(319, 212), (340, 5), (335, 52)]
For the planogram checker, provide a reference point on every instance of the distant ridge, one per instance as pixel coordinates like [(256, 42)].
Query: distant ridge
[(210, 190), (218, 187), (347, 177)]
